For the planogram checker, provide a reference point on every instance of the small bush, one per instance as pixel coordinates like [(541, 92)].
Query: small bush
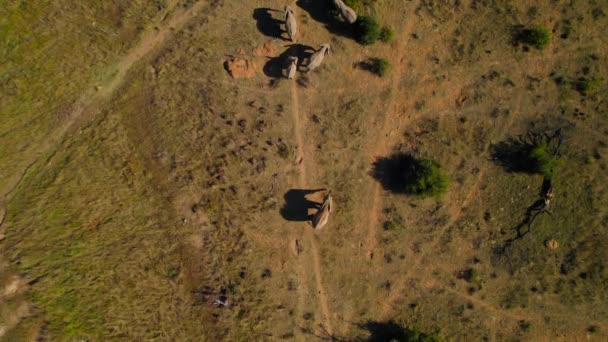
[(387, 34), (472, 276), (539, 37), (367, 30), (428, 179), (545, 162), (283, 150), (587, 86), (380, 66), (403, 173)]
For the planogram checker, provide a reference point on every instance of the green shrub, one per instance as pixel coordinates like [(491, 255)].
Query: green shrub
[(545, 162), (367, 30), (539, 37), (379, 66), (587, 86), (472, 276), (402, 173), (428, 180), (387, 34)]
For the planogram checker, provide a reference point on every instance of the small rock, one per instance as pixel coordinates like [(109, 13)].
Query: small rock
[(552, 244), (240, 68)]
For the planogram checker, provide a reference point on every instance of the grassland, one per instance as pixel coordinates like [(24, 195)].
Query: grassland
[(142, 183)]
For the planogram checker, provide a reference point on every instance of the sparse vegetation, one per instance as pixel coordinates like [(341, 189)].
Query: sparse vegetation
[(472, 276), (394, 221), (587, 85), (538, 37)]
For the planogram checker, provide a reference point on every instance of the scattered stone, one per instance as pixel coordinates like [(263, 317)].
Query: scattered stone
[(240, 68), (552, 244)]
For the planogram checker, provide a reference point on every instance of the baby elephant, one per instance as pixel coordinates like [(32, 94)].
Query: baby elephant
[(317, 58), (292, 66)]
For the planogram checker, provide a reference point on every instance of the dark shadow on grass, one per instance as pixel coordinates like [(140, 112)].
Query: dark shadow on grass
[(266, 24), (514, 156), (537, 208), (296, 205), (326, 13), (392, 331), (367, 65), (275, 66), (394, 172)]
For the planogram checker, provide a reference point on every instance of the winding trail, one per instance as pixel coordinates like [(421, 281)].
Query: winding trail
[(383, 140), (303, 160)]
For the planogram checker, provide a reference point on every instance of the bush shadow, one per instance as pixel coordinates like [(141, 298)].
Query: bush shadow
[(296, 204), (268, 25), (514, 156), (275, 66), (370, 65), (325, 13), (394, 172)]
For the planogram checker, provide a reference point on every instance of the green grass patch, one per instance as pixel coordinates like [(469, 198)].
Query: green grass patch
[(538, 37), (545, 162)]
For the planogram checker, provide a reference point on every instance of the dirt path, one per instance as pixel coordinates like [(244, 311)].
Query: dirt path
[(303, 161), (86, 107), (455, 212)]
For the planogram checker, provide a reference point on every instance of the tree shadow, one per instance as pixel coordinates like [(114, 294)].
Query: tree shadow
[(394, 172), (514, 156), (392, 331), (266, 24), (296, 205), (275, 66), (532, 213), (325, 13)]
